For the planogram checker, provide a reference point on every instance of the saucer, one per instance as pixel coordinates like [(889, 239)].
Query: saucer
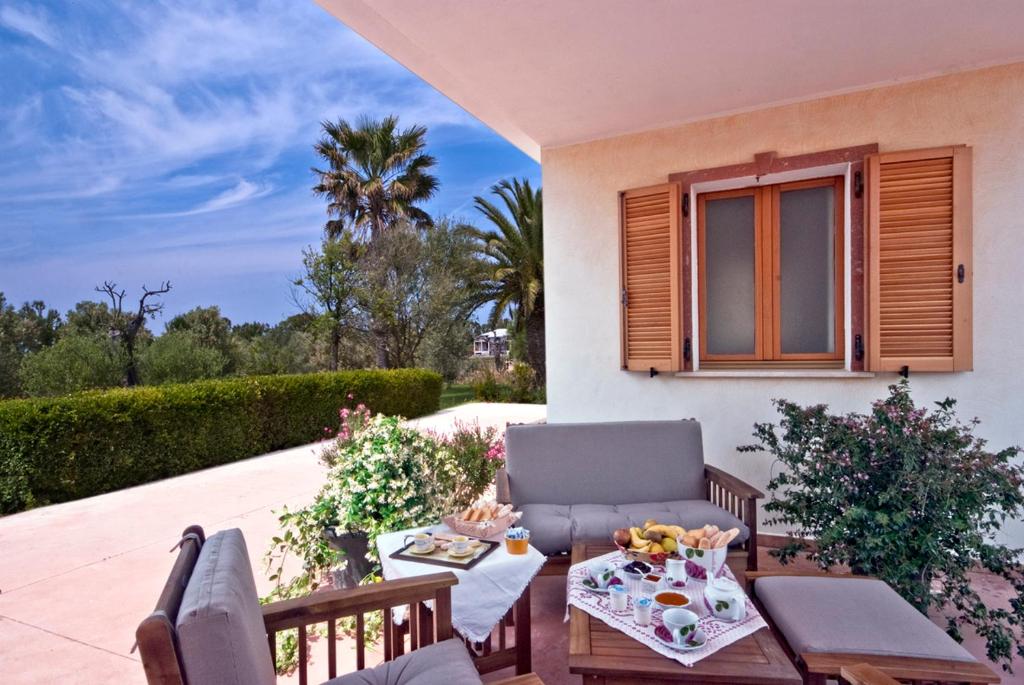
[(592, 586), (428, 550), (468, 552), (678, 647)]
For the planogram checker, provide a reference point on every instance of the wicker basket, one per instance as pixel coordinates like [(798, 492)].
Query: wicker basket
[(482, 529)]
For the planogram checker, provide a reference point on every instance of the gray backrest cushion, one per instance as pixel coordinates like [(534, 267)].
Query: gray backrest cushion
[(220, 623), (605, 463)]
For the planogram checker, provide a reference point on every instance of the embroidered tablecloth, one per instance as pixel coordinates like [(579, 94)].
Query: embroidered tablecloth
[(485, 592), (719, 633)]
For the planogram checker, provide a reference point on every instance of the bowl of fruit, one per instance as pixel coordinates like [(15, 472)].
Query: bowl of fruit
[(653, 542)]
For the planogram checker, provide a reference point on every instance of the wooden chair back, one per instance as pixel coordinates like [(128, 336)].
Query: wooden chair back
[(156, 637)]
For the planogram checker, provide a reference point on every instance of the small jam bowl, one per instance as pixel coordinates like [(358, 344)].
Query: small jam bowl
[(670, 599)]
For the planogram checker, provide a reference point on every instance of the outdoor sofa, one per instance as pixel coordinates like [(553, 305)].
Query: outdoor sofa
[(208, 627), (581, 481)]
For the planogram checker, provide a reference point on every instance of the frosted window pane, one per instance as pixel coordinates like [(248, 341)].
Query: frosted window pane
[(807, 287), (729, 275)]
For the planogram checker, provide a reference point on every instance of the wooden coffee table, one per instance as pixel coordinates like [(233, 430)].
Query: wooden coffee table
[(605, 656)]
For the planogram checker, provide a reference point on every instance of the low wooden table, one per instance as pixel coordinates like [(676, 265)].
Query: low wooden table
[(605, 656)]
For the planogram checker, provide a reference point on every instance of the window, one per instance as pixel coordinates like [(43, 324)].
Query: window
[(770, 275), (767, 263)]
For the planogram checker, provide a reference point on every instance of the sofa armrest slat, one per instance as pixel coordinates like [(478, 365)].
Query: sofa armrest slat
[(731, 483)]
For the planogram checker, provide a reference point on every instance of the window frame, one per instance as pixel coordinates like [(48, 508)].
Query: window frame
[(767, 278)]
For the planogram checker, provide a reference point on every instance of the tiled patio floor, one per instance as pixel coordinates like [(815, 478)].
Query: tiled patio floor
[(76, 578)]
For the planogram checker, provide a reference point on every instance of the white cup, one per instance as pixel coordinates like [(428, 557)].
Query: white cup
[(682, 623), (619, 598), (460, 544), (642, 610), (421, 541)]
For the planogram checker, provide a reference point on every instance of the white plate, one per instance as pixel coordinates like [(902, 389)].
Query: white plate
[(681, 648), (594, 588), (468, 552), (428, 550)]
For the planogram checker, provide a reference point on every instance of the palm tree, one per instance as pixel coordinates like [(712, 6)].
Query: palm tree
[(376, 174), (515, 247)]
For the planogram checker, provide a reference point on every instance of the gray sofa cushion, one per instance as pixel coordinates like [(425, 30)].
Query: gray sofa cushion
[(605, 463), (854, 616), (220, 624), (554, 528), (549, 525), (444, 663)]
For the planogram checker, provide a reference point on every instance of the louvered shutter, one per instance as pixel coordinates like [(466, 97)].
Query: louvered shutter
[(651, 278), (919, 257)]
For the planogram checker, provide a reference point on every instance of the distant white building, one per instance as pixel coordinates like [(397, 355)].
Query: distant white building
[(491, 344)]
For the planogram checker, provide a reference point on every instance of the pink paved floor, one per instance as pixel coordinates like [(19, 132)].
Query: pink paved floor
[(76, 578)]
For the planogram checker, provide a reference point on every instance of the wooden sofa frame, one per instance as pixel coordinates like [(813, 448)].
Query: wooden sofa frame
[(157, 640), (818, 667), (722, 489)]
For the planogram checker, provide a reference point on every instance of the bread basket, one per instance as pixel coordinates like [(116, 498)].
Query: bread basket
[(482, 529)]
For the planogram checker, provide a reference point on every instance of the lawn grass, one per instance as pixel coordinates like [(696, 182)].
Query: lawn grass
[(454, 395)]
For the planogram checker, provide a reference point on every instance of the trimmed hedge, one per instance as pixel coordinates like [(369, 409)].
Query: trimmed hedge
[(65, 448)]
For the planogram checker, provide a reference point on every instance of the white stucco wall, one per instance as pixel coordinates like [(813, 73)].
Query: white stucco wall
[(984, 109)]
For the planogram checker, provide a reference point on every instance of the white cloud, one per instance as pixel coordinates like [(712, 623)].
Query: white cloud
[(29, 22)]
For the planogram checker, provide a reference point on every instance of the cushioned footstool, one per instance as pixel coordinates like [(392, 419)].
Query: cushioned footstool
[(830, 621)]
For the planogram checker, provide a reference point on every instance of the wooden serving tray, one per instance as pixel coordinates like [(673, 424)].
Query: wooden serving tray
[(440, 557)]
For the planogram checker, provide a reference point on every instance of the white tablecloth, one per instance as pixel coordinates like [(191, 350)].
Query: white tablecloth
[(485, 592)]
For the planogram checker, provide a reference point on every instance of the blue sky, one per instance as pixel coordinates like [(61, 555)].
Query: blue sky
[(148, 141)]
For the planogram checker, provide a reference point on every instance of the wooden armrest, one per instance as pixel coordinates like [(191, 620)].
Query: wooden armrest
[(502, 487), (866, 674), (731, 483), (323, 606)]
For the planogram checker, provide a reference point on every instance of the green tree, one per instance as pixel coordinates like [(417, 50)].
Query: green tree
[(73, 363), (418, 284), (515, 250), (179, 357), (326, 290), (210, 329), (22, 332), (281, 349), (376, 174)]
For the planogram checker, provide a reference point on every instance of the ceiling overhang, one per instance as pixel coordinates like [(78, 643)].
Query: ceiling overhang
[(548, 74)]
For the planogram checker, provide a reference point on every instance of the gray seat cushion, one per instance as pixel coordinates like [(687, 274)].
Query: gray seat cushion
[(554, 528), (220, 623), (444, 663), (549, 525), (605, 463), (855, 616)]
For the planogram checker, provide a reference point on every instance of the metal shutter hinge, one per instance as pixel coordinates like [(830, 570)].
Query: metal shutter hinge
[(625, 298), (686, 205), (858, 184), (960, 273)]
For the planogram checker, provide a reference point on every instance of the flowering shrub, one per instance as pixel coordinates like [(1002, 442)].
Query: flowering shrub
[(908, 495), (383, 477), (470, 455)]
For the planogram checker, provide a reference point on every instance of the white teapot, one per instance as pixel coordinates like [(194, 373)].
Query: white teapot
[(725, 599)]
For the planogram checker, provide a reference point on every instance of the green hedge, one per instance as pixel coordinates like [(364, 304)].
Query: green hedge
[(59, 449)]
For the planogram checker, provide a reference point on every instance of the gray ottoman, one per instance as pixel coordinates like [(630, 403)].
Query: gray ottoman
[(852, 616)]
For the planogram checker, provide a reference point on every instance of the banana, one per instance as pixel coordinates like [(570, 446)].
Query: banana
[(637, 539), (667, 530)]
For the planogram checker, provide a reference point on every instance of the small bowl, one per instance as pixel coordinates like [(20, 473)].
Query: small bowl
[(683, 600)]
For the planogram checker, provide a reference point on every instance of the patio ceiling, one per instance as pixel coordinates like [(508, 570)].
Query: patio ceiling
[(545, 74)]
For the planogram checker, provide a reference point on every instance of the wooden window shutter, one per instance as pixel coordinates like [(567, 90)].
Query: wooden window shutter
[(651, 278), (919, 260)]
